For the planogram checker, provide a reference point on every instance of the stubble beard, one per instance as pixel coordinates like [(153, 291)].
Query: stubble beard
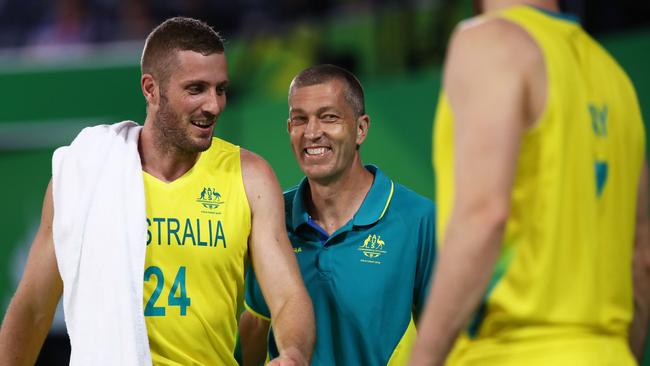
[(172, 135)]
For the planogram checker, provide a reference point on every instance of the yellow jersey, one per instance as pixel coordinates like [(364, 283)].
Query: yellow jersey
[(197, 245), (564, 271)]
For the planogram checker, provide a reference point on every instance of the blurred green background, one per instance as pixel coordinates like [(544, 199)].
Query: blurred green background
[(396, 52)]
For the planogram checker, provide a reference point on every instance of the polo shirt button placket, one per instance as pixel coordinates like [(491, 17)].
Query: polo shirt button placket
[(324, 262)]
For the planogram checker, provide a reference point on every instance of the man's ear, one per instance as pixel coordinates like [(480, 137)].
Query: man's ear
[(150, 89), (363, 124)]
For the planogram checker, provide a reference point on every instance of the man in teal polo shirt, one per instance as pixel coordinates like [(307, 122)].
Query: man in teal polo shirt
[(365, 244)]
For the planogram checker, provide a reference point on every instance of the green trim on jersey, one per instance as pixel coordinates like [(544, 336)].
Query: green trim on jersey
[(563, 16)]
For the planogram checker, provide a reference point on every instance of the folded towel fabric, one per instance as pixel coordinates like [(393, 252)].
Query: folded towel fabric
[(99, 233)]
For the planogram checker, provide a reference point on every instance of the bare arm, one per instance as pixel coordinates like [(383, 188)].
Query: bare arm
[(641, 269), (253, 332), (486, 79), (29, 315), (275, 263)]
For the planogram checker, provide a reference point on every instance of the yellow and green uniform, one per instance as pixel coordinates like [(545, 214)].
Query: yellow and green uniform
[(197, 245), (368, 280), (561, 292)]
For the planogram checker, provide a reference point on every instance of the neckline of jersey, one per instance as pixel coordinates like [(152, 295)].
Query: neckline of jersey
[(570, 17), (178, 181)]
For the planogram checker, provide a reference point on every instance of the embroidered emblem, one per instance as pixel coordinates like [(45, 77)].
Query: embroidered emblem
[(372, 248), (210, 199)]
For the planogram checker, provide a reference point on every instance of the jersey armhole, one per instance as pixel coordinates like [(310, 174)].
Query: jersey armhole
[(257, 314)]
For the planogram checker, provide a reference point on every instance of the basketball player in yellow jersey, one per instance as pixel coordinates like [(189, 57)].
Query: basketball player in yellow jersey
[(210, 206), (541, 180)]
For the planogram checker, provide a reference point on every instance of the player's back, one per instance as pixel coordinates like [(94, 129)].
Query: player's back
[(565, 267)]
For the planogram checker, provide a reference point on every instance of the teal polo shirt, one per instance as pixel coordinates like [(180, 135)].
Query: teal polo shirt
[(368, 280)]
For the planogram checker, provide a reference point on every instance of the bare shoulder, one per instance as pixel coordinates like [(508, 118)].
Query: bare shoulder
[(492, 40), (254, 166), (258, 176), (492, 33)]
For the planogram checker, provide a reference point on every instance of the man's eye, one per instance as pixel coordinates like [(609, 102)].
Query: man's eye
[(194, 89), (298, 120), (329, 117), (221, 90)]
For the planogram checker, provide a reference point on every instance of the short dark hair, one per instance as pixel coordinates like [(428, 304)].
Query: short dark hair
[(320, 74), (177, 34)]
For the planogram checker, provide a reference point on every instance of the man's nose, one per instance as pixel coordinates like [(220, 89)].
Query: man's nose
[(214, 104), (313, 129)]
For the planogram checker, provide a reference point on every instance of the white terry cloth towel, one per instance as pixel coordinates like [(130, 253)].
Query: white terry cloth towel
[(100, 239)]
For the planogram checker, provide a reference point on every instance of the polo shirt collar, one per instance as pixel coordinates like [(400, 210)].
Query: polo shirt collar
[(376, 203), (372, 209), (299, 213)]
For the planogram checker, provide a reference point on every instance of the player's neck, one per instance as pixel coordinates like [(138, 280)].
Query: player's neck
[(495, 5), (163, 162), (333, 204)]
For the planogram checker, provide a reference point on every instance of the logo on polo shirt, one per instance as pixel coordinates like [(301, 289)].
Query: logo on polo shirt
[(372, 248), (210, 198)]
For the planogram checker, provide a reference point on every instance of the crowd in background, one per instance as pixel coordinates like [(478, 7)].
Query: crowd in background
[(37, 23)]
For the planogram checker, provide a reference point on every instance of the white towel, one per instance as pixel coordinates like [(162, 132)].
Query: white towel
[(100, 238)]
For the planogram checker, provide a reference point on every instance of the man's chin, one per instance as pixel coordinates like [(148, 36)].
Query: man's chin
[(202, 145), (318, 173)]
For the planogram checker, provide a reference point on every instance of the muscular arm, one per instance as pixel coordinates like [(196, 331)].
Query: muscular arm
[(31, 310), (641, 270), (275, 264), (487, 83), (253, 332)]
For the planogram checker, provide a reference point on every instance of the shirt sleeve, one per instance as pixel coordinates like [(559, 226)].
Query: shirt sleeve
[(426, 258), (254, 300)]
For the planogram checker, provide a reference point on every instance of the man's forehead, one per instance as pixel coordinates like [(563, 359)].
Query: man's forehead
[(188, 58), (318, 100), (318, 92), (331, 85), (194, 65)]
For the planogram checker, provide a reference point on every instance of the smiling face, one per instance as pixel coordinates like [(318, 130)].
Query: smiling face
[(190, 101), (323, 130)]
